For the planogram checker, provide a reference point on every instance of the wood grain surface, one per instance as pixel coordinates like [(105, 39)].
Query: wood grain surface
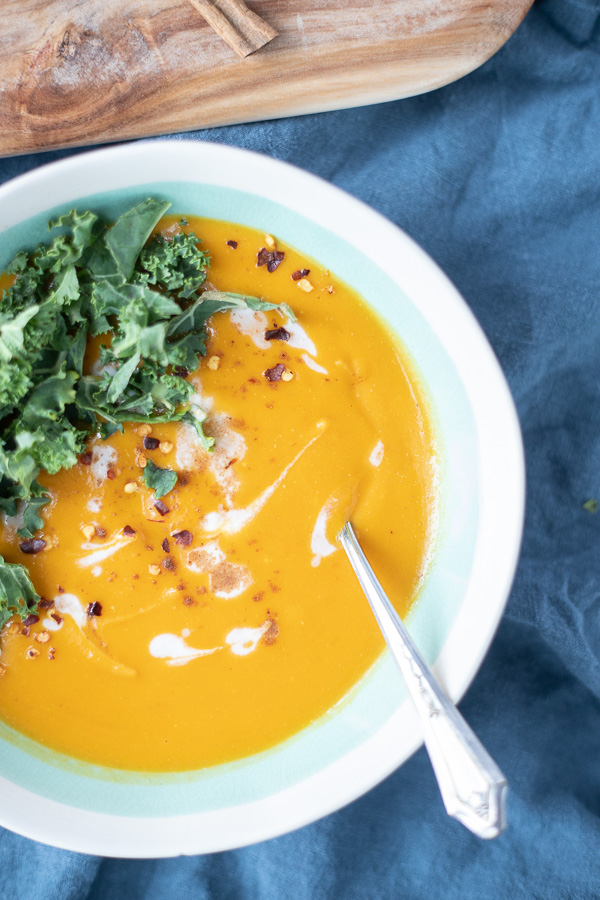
[(76, 72)]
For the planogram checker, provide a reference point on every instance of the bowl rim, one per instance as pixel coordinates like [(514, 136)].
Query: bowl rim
[(502, 502)]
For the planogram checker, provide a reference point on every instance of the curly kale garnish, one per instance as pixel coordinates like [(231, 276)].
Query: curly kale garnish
[(94, 278), (17, 594), (177, 265), (159, 480)]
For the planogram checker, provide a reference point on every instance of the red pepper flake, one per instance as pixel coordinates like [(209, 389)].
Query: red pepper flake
[(232, 244), (275, 373), (58, 619), (86, 459), (34, 545), (165, 545), (111, 474), (272, 259), (181, 371), (300, 273), (168, 563), (46, 604), (61, 590), (184, 538), (277, 334), (94, 609), (128, 531), (31, 619), (162, 508), (151, 443), (25, 631)]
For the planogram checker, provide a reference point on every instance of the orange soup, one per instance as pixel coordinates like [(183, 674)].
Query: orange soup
[(223, 619)]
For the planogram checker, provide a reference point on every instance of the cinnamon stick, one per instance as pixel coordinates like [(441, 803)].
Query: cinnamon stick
[(242, 29)]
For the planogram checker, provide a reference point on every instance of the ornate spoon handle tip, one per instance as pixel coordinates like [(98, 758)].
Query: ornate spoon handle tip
[(472, 786)]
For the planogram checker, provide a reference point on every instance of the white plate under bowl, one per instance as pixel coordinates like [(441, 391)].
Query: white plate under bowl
[(52, 798)]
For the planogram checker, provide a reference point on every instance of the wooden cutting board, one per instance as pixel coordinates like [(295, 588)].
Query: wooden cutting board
[(76, 72)]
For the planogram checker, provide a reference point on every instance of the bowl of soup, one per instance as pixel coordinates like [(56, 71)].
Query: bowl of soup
[(231, 358)]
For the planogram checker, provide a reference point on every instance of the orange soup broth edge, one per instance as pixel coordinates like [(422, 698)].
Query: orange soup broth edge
[(103, 697)]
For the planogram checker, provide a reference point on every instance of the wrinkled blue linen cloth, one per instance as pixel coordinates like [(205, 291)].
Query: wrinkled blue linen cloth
[(498, 177)]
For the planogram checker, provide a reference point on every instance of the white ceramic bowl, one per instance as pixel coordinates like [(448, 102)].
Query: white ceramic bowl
[(81, 807)]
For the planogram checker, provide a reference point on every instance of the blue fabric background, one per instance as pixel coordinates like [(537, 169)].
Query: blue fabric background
[(498, 177)]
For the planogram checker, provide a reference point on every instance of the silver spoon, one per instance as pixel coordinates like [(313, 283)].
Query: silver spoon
[(472, 786)]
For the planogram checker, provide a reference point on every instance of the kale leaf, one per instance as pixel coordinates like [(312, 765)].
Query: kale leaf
[(178, 265), (96, 278), (161, 481), (17, 593)]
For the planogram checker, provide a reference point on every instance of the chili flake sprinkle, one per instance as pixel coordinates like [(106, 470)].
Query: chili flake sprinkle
[(33, 545), (272, 259), (277, 334), (275, 373)]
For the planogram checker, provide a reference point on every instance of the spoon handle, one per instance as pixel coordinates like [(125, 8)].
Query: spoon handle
[(472, 786)]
